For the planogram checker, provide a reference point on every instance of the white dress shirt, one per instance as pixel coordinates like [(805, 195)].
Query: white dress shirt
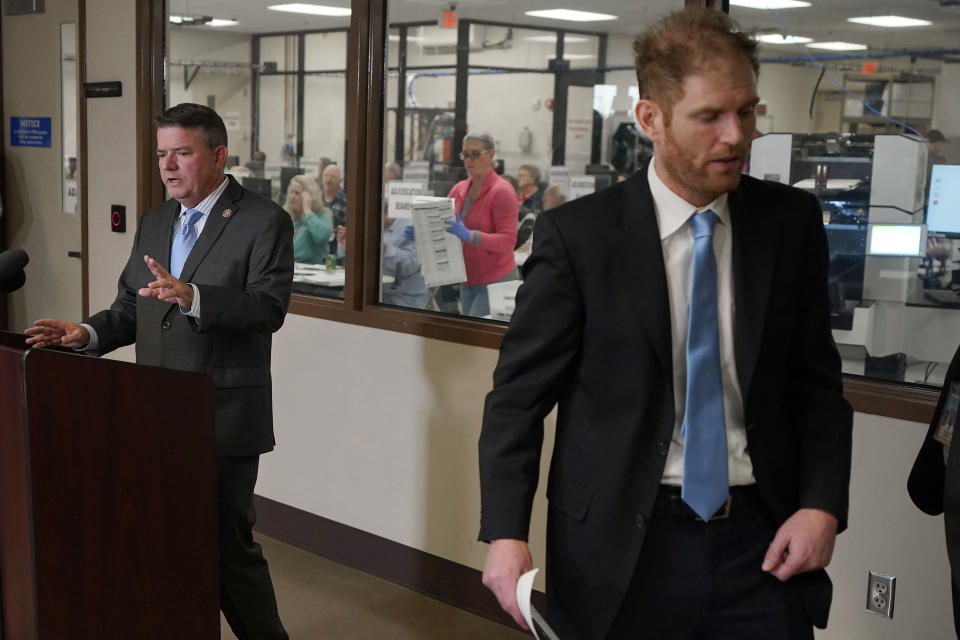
[(676, 238)]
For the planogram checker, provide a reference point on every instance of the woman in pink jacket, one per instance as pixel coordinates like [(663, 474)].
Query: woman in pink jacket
[(486, 222)]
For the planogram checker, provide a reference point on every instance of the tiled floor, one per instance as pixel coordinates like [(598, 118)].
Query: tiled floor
[(320, 599)]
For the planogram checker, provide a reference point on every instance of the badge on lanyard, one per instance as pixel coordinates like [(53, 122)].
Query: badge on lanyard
[(948, 417)]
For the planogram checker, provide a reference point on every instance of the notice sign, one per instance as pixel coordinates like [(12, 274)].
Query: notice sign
[(29, 132), (400, 197)]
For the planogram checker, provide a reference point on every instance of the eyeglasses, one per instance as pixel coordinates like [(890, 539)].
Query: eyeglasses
[(473, 155)]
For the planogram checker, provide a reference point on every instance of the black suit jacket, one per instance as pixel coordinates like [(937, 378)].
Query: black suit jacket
[(591, 332), (242, 265), (935, 487)]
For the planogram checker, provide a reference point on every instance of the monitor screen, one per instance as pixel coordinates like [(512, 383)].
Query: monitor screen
[(905, 240), (943, 205)]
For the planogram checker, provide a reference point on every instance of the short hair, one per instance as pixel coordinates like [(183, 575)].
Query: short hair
[(555, 191), (307, 184), (513, 182), (485, 138), (533, 171), (683, 43), (392, 167), (187, 115)]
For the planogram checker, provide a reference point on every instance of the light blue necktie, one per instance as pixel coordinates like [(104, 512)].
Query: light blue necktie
[(705, 484), (183, 241)]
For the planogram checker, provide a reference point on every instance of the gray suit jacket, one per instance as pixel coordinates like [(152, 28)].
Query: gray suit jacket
[(242, 265)]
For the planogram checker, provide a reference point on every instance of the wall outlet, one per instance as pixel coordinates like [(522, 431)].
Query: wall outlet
[(880, 592)]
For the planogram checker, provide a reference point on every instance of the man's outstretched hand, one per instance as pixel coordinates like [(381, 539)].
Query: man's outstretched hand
[(166, 287), (57, 333)]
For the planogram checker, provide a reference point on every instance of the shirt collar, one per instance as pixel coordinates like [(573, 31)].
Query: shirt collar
[(673, 211), (205, 206)]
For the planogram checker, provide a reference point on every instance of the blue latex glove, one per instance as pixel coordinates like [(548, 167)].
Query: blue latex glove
[(408, 233), (457, 229)]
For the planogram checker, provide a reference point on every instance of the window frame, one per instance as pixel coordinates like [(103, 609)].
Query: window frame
[(366, 86)]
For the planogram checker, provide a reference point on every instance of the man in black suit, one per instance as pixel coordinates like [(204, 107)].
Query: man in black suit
[(934, 483), (602, 326), (217, 313)]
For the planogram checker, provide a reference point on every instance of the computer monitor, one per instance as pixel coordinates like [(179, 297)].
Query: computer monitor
[(259, 186), (903, 240), (943, 204), (286, 173)]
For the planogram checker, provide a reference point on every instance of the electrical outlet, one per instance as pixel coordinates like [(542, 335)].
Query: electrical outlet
[(880, 592)]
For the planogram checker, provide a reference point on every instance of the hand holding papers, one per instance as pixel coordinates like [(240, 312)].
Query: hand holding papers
[(538, 626), (440, 253)]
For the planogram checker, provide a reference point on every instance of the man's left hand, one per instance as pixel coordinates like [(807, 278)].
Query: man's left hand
[(803, 543), (166, 287)]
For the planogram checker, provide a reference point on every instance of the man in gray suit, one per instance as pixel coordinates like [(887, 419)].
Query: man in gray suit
[(224, 290)]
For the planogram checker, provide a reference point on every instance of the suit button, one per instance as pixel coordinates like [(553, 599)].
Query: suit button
[(663, 447), (166, 325), (640, 521)]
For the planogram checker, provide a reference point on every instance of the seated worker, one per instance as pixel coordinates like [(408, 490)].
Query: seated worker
[(334, 197), (312, 222), (391, 171), (553, 197), (256, 165), (399, 262), (528, 181)]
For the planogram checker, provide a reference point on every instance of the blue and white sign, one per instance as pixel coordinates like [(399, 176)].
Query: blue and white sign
[(29, 132)]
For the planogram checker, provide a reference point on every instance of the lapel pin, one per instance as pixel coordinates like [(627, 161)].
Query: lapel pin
[(227, 213)]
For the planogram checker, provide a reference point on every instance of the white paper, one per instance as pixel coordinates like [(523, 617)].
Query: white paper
[(400, 197), (531, 616), (560, 176), (581, 186), (440, 253), (503, 298)]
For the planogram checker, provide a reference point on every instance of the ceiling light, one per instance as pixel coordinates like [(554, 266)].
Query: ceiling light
[(221, 22), (567, 39), (769, 4), (837, 46), (776, 38), (570, 14), (311, 9), (207, 21), (890, 21), (575, 56)]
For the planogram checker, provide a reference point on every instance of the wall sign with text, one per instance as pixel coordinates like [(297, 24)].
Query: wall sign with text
[(29, 132)]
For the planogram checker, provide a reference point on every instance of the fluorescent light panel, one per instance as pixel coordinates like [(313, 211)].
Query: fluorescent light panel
[(571, 15), (311, 9), (553, 39), (890, 21), (575, 56), (769, 4), (837, 46), (215, 22), (776, 38)]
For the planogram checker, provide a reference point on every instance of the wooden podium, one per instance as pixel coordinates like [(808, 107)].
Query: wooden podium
[(108, 506)]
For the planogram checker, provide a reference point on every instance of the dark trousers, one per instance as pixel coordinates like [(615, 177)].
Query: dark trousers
[(702, 581), (246, 591)]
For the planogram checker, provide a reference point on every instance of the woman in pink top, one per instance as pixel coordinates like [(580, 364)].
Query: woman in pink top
[(487, 224)]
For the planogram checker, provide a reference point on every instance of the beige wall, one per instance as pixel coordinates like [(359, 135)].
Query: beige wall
[(378, 430), (33, 204)]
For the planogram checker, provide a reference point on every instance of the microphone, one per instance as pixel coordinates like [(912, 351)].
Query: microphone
[(12, 262)]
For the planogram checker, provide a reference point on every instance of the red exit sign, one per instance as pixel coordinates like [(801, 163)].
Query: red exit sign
[(448, 19)]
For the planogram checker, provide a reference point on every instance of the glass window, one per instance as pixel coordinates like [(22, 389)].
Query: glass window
[(552, 97), (278, 80), (857, 114)]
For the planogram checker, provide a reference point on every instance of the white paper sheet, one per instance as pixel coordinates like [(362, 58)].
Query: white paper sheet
[(440, 253), (538, 625)]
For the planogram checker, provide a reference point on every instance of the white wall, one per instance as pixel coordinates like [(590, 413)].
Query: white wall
[(378, 430), (33, 198)]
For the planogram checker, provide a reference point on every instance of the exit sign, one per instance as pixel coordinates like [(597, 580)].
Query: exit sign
[(448, 19)]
